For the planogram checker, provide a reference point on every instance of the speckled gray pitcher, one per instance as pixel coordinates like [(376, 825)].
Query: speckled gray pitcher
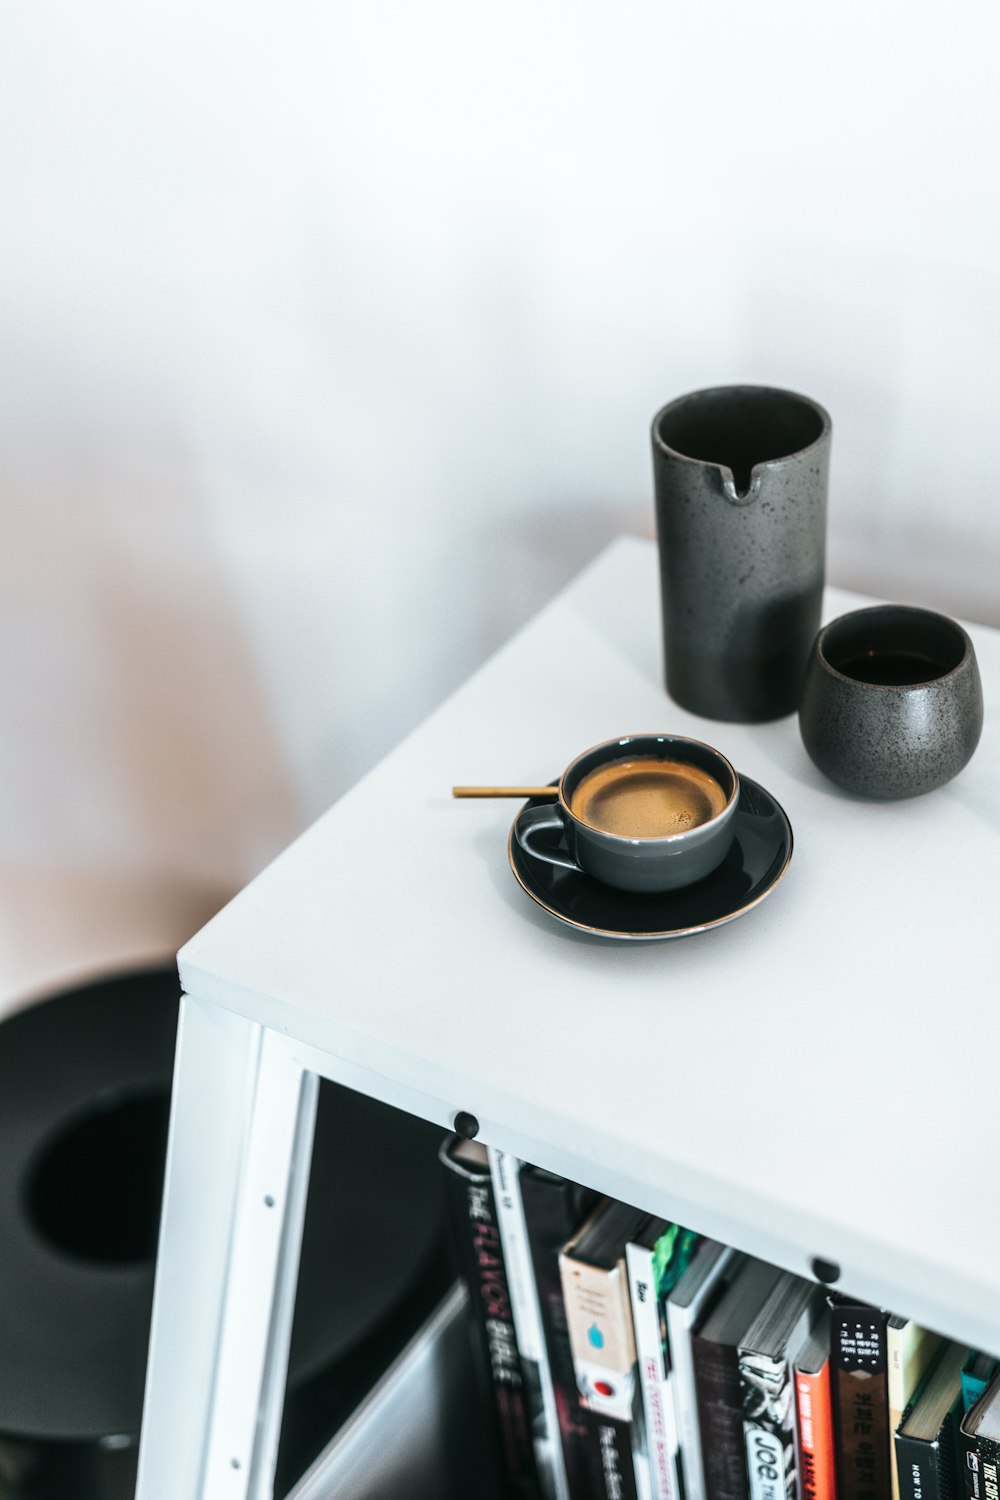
[(741, 482)]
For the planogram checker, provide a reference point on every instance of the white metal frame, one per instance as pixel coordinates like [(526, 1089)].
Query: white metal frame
[(237, 1177), (234, 1202)]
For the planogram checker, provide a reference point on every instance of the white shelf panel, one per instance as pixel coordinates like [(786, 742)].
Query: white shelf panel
[(817, 1078)]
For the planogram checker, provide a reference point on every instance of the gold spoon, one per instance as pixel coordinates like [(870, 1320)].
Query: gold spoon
[(505, 791)]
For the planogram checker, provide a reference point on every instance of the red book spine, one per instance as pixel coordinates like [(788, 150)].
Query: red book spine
[(816, 1451)]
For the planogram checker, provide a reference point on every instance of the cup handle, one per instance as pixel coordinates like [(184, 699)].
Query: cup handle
[(535, 820)]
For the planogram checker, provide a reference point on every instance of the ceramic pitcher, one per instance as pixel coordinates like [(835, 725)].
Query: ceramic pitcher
[(741, 484)]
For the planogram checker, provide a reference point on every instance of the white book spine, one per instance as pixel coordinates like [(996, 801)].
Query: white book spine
[(658, 1464), (505, 1171), (770, 1423), (909, 1350), (765, 1463), (680, 1321)]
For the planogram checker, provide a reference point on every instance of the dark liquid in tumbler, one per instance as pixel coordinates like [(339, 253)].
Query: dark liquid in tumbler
[(892, 668)]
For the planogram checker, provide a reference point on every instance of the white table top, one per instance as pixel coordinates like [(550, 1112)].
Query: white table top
[(816, 1078)]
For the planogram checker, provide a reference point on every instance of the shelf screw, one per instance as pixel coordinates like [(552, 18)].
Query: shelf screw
[(825, 1270), (466, 1125)]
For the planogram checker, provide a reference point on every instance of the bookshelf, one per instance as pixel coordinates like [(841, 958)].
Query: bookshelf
[(817, 1079)]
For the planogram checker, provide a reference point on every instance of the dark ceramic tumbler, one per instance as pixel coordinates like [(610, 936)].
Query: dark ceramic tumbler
[(741, 482), (892, 703)]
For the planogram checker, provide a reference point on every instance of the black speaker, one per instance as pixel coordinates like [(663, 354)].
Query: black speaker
[(84, 1103)]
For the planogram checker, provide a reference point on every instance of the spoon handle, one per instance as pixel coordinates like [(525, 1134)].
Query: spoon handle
[(505, 791)]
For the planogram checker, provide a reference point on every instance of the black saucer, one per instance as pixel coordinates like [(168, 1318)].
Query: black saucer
[(756, 862)]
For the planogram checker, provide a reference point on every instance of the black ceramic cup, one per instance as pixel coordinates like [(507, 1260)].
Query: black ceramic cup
[(645, 812), (741, 482), (892, 703)]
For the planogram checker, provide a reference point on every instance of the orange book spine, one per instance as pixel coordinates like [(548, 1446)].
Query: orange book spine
[(815, 1436)]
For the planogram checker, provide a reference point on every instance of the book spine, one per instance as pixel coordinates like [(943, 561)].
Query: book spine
[(553, 1210), (680, 1321), (505, 1170), (917, 1466), (720, 1419), (611, 1455), (909, 1352), (817, 1474), (601, 1337), (895, 1344), (981, 1468), (973, 1386), (768, 1426), (972, 1475), (659, 1419), (685, 1403), (860, 1401), (497, 1358)]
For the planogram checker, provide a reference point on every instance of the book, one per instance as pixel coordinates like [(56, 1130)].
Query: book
[(497, 1359), (860, 1399), (554, 1209), (715, 1349), (505, 1171), (655, 1260), (980, 1445), (926, 1441), (713, 1268), (767, 1353), (977, 1372), (814, 1416), (595, 1288), (910, 1351)]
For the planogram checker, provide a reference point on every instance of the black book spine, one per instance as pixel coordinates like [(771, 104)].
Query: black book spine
[(611, 1457), (931, 1470), (981, 1467), (917, 1464), (474, 1217), (972, 1474), (860, 1397), (554, 1209), (720, 1418)]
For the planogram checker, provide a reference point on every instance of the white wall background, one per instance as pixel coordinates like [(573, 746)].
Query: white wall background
[(329, 341)]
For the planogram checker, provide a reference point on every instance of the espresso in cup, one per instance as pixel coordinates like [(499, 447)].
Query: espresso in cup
[(647, 799), (645, 813)]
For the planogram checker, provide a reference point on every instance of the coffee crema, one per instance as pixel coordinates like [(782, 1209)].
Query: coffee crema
[(646, 798)]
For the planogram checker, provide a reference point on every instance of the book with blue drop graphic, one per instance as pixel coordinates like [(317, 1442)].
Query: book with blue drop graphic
[(598, 1312)]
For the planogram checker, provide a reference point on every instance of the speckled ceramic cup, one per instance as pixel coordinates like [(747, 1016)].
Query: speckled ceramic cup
[(892, 703), (644, 812)]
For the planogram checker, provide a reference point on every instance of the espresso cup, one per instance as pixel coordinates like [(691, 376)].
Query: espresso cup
[(645, 812), (892, 703)]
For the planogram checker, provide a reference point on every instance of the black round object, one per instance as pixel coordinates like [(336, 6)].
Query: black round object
[(892, 703), (73, 1319), (466, 1125), (84, 1100)]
